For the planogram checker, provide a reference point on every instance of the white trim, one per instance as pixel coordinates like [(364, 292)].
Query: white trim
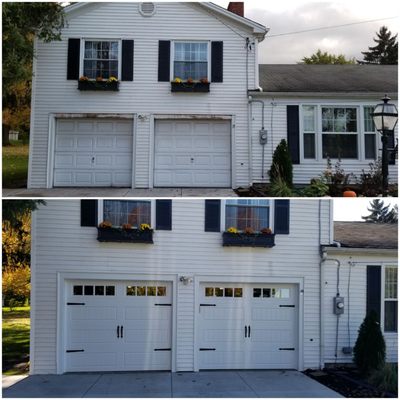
[(323, 95), (256, 65), (33, 294), (51, 150), (152, 150), (134, 134), (383, 297), (233, 151), (299, 281), (62, 277)]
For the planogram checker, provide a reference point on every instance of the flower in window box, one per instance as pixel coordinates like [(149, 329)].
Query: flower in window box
[(249, 231), (232, 230), (190, 81), (105, 224), (266, 231), (126, 226), (177, 80), (99, 79), (145, 227), (83, 78), (204, 80), (112, 79)]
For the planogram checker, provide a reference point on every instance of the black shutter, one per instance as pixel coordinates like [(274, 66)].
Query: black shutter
[(374, 289), (391, 146), (164, 215), (127, 60), (217, 61), (212, 219), (164, 51), (293, 133), (88, 212), (74, 47), (282, 217)]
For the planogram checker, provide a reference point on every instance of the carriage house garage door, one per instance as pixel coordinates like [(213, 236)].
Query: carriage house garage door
[(253, 326), (192, 153), (118, 326), (93, 152)]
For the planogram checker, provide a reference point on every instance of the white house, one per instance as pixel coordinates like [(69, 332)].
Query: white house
[(190, 296)]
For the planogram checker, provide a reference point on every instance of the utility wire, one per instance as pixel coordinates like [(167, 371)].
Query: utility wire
[(329, 27)]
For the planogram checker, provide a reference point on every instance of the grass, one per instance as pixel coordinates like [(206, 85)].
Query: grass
[(15, 165), (16, 329)]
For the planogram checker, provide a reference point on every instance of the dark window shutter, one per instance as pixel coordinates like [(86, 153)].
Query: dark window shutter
[(127, 60), (282, 217), (374, 289), (212, 220), (293, 133), (164, 52), (88, 212), (74, 46), (217, 61), (164, 215), (391, 145)]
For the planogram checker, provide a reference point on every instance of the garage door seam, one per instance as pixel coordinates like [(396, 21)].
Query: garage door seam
[(94, 383), (240, 376)]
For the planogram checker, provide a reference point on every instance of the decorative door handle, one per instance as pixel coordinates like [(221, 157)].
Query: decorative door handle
[(92, 159), (245, 331), (249, 331), (122, 331), (118, 331)]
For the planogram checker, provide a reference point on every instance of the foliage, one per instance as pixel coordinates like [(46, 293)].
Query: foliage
[(325, 58), (279, 188), (335, 177), (371, 181), (14, 210), (385, 378), (381, 213), (385, 51), (15, 166), (316, 188), (16, 286), (281, 168), (370, 348)]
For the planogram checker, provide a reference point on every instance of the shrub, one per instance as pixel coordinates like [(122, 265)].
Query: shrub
[(316, 188), (16, 286), (336, 177), (370, 348), (371, 181), (281, 165), (385, 378), (280, 188)]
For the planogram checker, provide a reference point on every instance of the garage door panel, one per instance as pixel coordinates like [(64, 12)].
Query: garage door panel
[(91, 362), (94, 313), (103, 142), (82, 178), (104, 161), (64, 161), (123, 143), (83, 161), (87, 337), (84, 143), (221, 359), (65, 143), (155, 361)]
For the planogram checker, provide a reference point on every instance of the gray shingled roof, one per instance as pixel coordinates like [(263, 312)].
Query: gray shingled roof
[(366, 235), (328, 78)]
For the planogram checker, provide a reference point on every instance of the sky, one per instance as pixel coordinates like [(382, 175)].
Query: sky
[(285, 16), (351, 209)]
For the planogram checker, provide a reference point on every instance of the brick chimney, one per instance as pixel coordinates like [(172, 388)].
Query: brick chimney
[(237, 7)]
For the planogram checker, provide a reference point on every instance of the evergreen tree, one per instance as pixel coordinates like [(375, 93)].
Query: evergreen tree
[(392, 216), (381, 213), (325, 58), (385, 51), (370, 347), (281, 168)]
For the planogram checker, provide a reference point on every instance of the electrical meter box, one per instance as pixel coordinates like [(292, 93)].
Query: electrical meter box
[(338, 305), (263, 136)]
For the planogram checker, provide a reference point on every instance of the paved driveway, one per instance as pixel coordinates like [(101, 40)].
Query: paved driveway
[(166, 384)]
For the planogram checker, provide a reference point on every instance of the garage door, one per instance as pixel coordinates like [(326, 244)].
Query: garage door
[(252, 326), (93, 152), (118, 326), (192, 153)]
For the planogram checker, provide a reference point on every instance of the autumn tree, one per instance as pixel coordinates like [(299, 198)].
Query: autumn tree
[(385, 51), (325, 58)]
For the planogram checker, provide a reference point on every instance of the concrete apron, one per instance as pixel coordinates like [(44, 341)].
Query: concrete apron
[(243, 384)]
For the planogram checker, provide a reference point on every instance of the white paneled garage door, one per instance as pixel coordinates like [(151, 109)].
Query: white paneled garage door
[(93, 152), (118, 326), (192, 153), (252, 326)]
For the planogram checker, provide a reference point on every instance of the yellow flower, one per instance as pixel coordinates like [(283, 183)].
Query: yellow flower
[(112, 79), (178, 80), (144, 227), (232, 230)]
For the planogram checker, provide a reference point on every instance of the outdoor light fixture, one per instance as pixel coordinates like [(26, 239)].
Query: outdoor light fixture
[(186, 280), (385, 119)]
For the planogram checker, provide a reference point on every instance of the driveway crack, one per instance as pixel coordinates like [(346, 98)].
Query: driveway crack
[(90, 387), (241, 377)]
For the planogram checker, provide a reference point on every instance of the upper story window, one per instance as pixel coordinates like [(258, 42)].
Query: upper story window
[(133, 212), (247, 213), (390, 300), (191, 60), (101, 59)]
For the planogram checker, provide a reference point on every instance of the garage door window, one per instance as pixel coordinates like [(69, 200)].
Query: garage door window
[(223, 292), (120, 212), (242, 214), (159, 291), (93, 290), (278, 293)]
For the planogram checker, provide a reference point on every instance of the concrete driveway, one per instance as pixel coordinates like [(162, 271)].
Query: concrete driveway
[(119, 192), (166, 384)]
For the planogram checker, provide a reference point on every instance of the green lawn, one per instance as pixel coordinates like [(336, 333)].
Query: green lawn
[(16, 328), (15, 165)]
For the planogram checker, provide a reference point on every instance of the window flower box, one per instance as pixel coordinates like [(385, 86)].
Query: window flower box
[(248, 240), (105, 86), (186, 87), (124, 235)]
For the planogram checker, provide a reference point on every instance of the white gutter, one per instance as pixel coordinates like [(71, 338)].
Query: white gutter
[(321, 95)]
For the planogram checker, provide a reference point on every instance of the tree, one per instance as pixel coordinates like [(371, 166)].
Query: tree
[(381, 213), (21, 22), (281, 168), (14, 210), (324, 58), (370, 348), (385, 51)]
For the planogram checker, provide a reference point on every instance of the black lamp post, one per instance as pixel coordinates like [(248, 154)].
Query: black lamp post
[(385, 119)]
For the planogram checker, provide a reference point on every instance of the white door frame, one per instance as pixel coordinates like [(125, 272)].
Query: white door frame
[(199, 279), (152, 149), (52, 138), (62, 277)]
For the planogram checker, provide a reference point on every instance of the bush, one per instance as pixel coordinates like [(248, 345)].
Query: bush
[(281, 167), (336, 177), (385, 378), (316, 188), (370, 348), (371, 181), (16, 286), (279, 188)]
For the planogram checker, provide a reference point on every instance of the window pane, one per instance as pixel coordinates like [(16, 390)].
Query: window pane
[(78, 290), (246, 213), (131, 290), (238, 292), (309, 145), (209, 291), (141, 291), (151, 290), (391, 316), (120, 212), (190, 60), (368, 121), (110, 290), (257, 292), (309, 118), (390, 283), (99, 290), (339, 146), (370, 145), (266, 292), (219, 292), (161, 291), (88, 290), (228, 292), (339, 119), (96, 59)]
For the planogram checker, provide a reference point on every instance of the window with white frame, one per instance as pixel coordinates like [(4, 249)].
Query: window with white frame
[(369, 134), (100, 59), (390, 299), (247, 213), (309, 132), (191, 60), (133, 212)]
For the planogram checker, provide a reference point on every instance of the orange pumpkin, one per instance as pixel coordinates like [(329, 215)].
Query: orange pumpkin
[(349, 193)]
